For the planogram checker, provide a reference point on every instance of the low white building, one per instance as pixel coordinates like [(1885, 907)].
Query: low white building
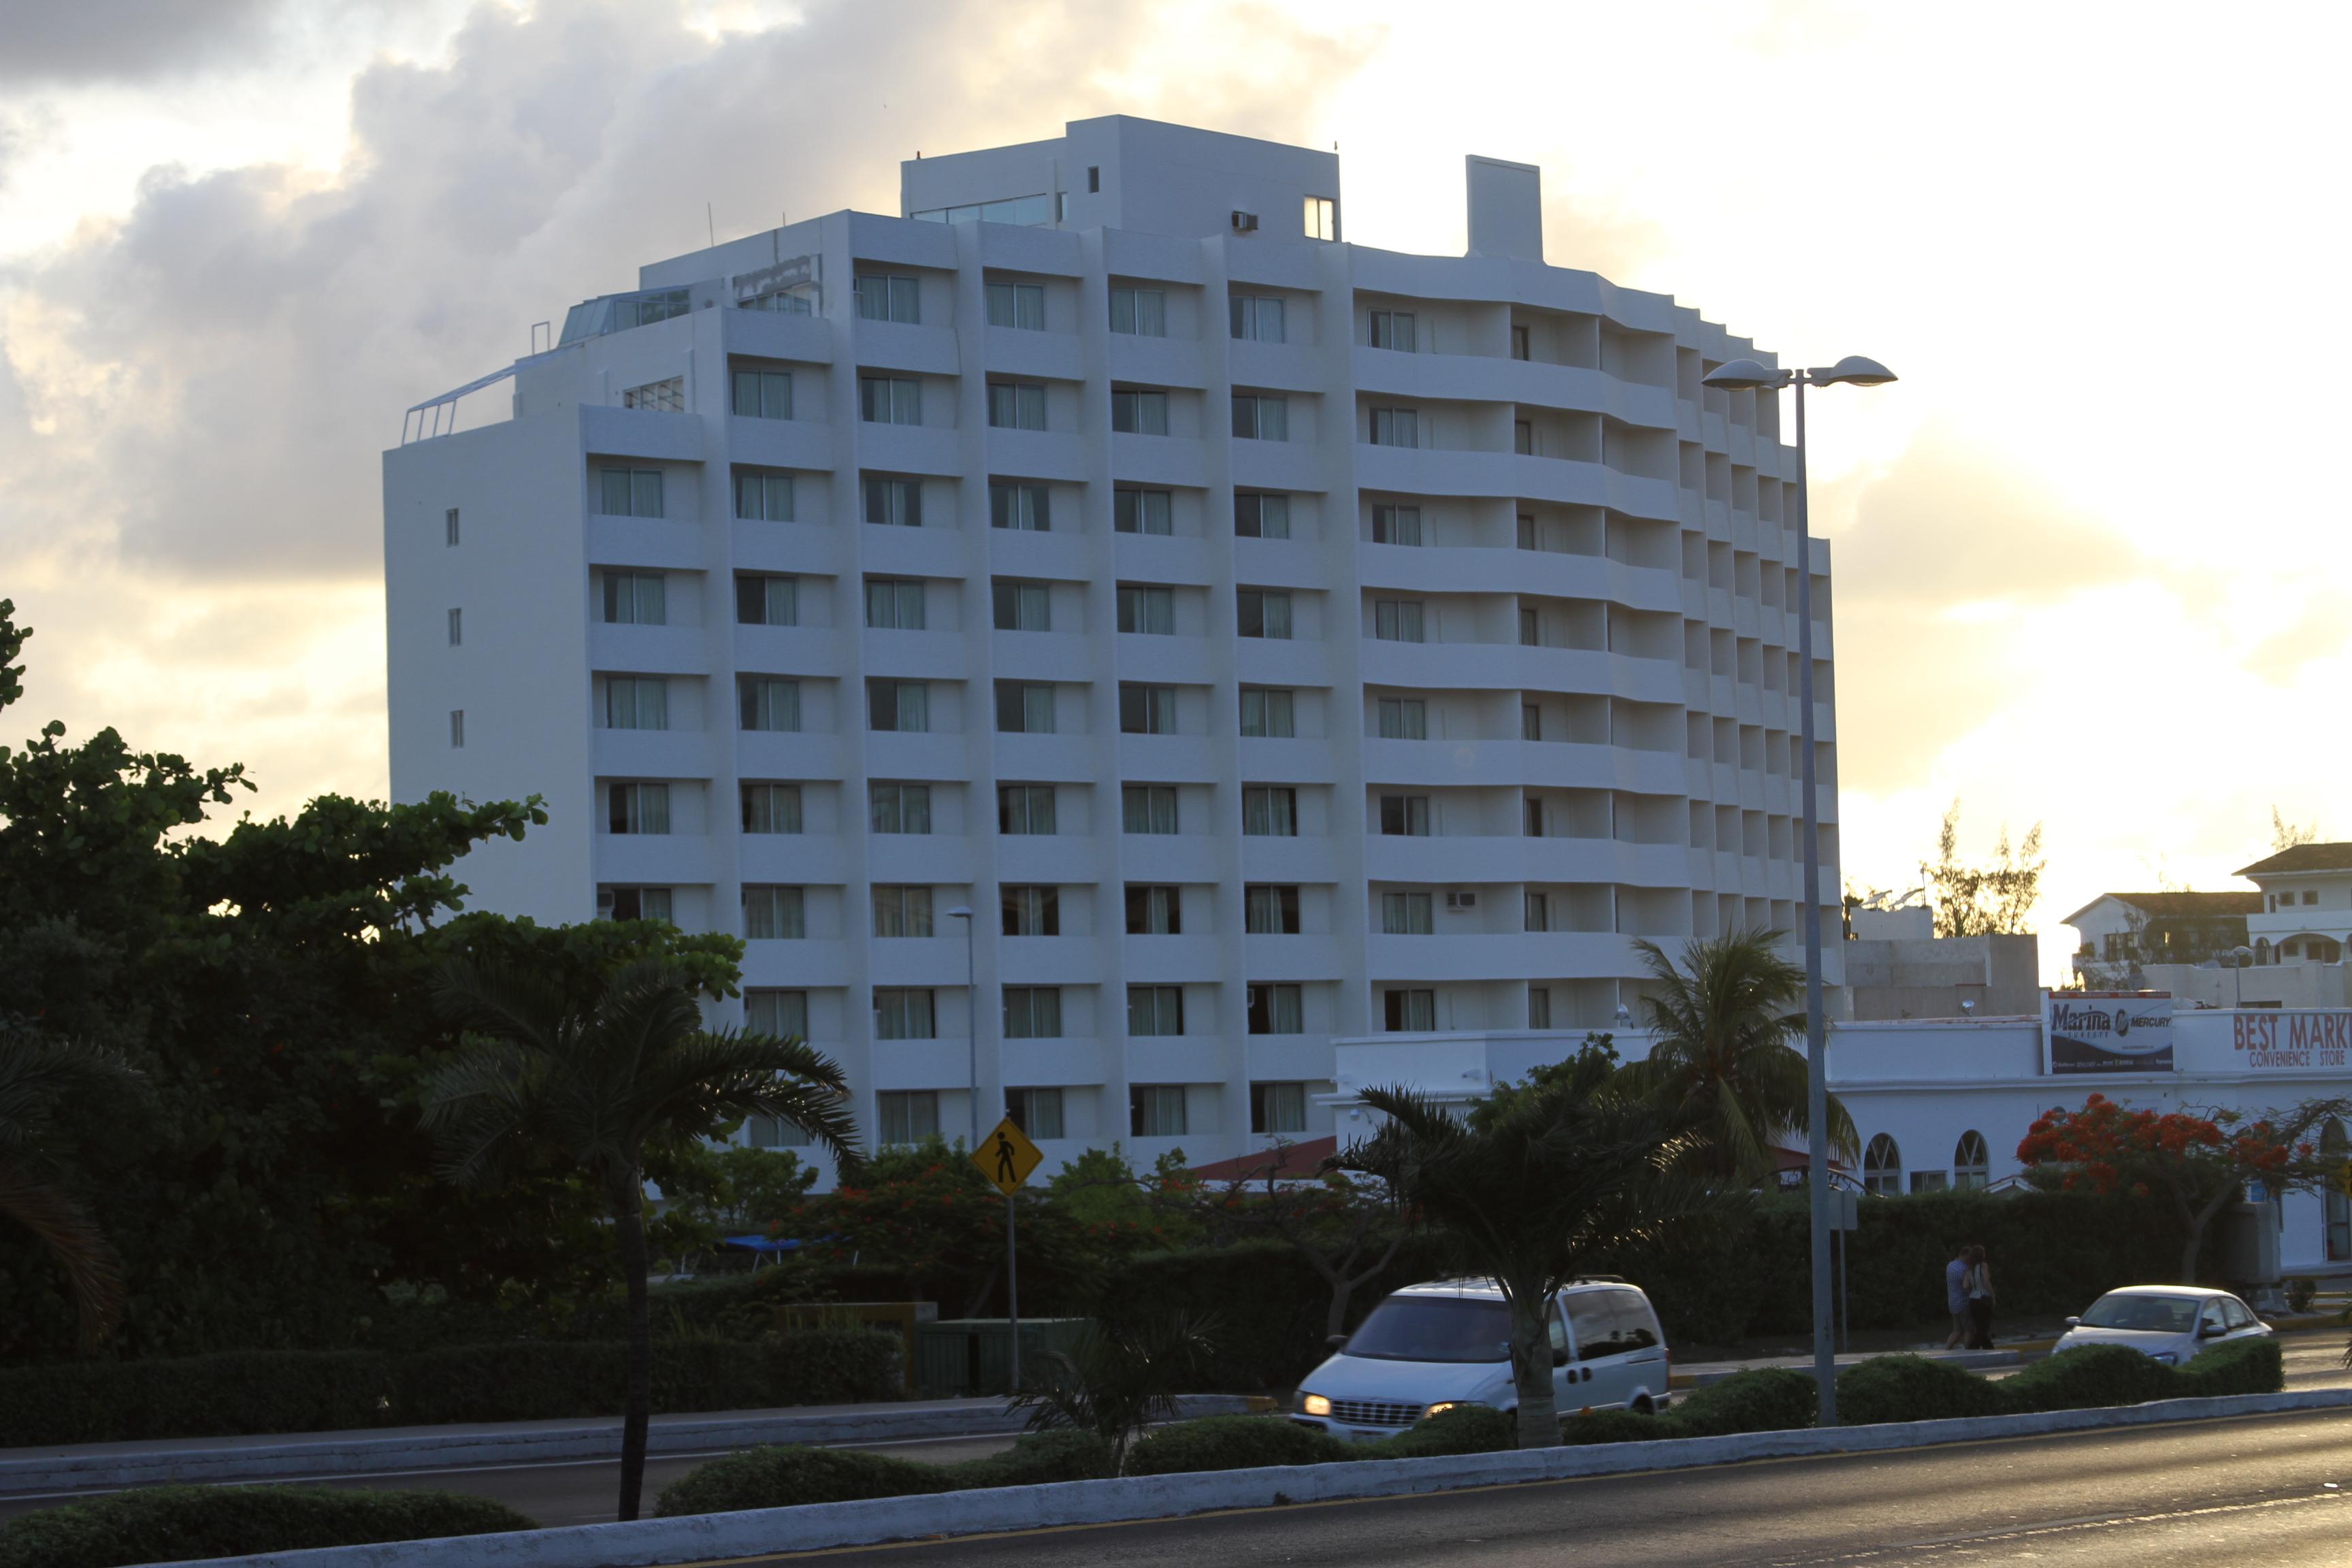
[(1942, 1103), (2307, 904)]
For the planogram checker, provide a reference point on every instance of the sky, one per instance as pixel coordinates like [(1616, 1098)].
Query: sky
[(2087, 572)]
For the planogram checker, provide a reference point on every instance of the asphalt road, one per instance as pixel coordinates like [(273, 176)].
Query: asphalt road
[(2264, 1490)]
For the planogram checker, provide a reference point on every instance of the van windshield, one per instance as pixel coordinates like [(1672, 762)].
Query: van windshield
[(1434, 1328), (2158, 1314)]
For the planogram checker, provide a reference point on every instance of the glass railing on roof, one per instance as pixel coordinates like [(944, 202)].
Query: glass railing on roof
[(1031, 212), (619, 312)]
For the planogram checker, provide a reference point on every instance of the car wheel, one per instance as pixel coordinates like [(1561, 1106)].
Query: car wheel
[(1642, 1407)]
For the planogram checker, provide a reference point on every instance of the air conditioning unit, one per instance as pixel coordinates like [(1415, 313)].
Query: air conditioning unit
[(1245, 223), (1456, 902)]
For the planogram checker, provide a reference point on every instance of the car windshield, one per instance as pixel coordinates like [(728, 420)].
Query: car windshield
[(2152, 1314), (1434, 1328)]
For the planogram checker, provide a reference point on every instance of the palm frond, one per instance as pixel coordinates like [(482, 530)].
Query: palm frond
[(71, 1237)]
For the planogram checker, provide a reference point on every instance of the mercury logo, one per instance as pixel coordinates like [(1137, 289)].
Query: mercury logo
[(2123, 1023)]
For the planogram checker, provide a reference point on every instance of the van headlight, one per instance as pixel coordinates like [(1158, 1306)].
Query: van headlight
[(2165, 1358), (1315, 1404), (1443, 1405)]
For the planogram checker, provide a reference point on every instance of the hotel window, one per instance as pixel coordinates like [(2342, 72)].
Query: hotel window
[(771, 808), (904, 1015), (1268, 909), (1531, 817), (1033, 1013), (774, 1131), (1523, 438), (894, 603), (635, 599), (1036, 1111), (1256, 319), (1154, 911), (907, 1115), (637, 703), (773, 915), (1139, 313), (1405, 914), (763, 394), (1030, 910), (1530, 721), (1155, 1009), (1022, 606), (1530, 630), (457, 628), (895, 501), (762, 601), (763, 498), (1396, 525), (1397, 620), (1025, 708), (1538, 1006), (1147, 709), (901, 910), (1016, 404), (1268, 712), (1259, 417), (449, 525), (1257, 515), (1026, 809), (1519, 345), (1882, 1167), (1147, 808), (1392, 330), (1971, 1162), (1139, 413), (903, 705), (891, 400), (1404, 718), (1404, 815), (1269, 811), (1279, 1107), (784, 1013), (637, 808), (1025, 509), (1322, 218), (1274, 1010), (630, 492), (1539, 912), (768, 704), (1396, 427), (1019, 305), (1156, 1111), (634, 904), (1149, 611), (1142, 511), (1409, 1011), (898, 807), (884, 298), (1263, 613)]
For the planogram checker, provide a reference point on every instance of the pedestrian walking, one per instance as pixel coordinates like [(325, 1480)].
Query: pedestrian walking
[(1979, 1281), (1956, 1296)]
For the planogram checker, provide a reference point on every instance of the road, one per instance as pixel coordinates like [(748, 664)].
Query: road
[(2259, 1489)]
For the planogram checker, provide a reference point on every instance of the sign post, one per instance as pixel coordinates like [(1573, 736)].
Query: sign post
[(1007, 1158)]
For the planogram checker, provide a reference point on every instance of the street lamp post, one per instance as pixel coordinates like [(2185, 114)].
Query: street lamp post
[(2238, 958), (1754, 376), (971, 1023)]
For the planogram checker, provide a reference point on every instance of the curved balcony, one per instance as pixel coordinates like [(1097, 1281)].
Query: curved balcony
[(1044, 960), (1298, 760), (769, 754), (1060, 858), (675, 859), (1069, 1061), (804, 963), (798, 859), (657, 542), (1059, 759), (787, 650), (1039, 656), (609, 432), (937, 961), (1277, 367), (812, 548), (649, 650), (1301, 956), (1170, 960), (938, 859), (1170, 857), (894, 754), (1159, 459), (1554, 764), (780, 443), (910, 449), (932, 551), (943, 1064), (936, 656), (650, 754), (1038, 454), (1167, 759), (1282, 661), (1155, 361), (1161, 557), (1461, 860), (1280, 466), (904, 346), (1165, 660), (1064, 555), (1300, 860), (769, 334), (1498, 955), (1053, 356)]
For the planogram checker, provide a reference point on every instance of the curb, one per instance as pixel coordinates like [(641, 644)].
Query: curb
[(819, 1526), (273, 1460)]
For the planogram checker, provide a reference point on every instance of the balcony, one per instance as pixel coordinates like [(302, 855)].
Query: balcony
[(655, 543), (659, 858), (650, 753), (609, 432), (649, 650), (780, 443), (905, 346), (768, 334)]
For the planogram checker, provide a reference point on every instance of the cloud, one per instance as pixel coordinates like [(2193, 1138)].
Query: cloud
[(85, 41)]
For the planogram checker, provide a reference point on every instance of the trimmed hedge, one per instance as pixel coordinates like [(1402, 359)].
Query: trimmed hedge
[(791, 1475), (1236, 1443), (242, 1392), (1761, 1399), (167, 1524), (1464, 1429), (1914, 1388), (1057, 1454), (1917, 1388)]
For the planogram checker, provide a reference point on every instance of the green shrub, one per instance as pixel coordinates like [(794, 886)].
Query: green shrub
[(163, 1524), (1913, 1388), (788, 1477), (2237, 1366), (1616, 1424), (2092, 1375), (1057, 1454), (232, 1393), (1464, 1429), (1761, 1399), (2301, 1291), (1234, 1443)]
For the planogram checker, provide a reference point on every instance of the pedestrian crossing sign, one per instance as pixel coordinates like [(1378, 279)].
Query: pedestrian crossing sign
[(1006, 1157)]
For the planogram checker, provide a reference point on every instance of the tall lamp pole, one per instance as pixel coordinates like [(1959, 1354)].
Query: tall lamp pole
[(1754, 376), (971, 1023)]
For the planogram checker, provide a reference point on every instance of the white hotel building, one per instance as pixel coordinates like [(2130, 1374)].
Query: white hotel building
[(1271, 638)]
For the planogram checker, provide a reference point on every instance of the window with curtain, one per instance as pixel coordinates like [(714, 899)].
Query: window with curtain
[(773, 915), (1021, 306), (904, 1015), (1404, 718), (889, 400), (882, 298), (771, 808), (1530, 630), (1396, 427), (763, 394), (1156, 1111), (1139, 313), (894, 603), (1147, 709), (1523, 438), (1154, 911), (1274, 1010), (1033, 1013), (1036, 1111), (1152, 611), (899, 808), (898, 705), (1263, 613), (1030, 910), (1397, 620), (1261, 416), (638, 807), (629, 492), (1392, 330), (1539, 1008), (1025, 708), (770, 704), (1409, 1010), (1396, 525), (1025, 809), (1404, 815), (1142, 511), (1255, 318), (1257, 514), (766, 601), (1016, 406), (1155, 1010), (1270, 910), (1270, 811), (1022, 507), (1530, 722), (633, 904), (637, 703), (1277, 1108), (1137, 411), (1539, 912), (763, 497), (1147, 808), (894, 503), (901, 910), (1531, 817), (1405, 914), (1268, 713), (635, 599), (774, 1132), (905, 1116), (1022, 606), (780, 1012)]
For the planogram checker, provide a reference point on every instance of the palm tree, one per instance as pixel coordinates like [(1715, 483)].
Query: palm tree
[(596, 1081), (1723, 1021), (1536, 1182), (1117, 1379), (38, 1072)]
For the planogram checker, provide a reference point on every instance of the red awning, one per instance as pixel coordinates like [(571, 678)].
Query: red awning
[(1291, 1161)]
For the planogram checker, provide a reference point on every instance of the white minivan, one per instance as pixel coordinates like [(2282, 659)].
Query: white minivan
[(1448, 1343)]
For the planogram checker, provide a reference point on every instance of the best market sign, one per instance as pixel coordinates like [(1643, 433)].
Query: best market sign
[(2290, 1042)]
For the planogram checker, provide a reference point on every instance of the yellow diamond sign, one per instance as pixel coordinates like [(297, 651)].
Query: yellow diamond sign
[(1006, 1157)]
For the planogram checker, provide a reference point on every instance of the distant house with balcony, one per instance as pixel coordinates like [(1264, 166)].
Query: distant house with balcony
[(2303, 912), (2120, 933)]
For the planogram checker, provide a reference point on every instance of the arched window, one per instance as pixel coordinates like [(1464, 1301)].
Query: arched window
[(2335, 1148), (1971, 1162), (2262, 950), (1882, 1167)]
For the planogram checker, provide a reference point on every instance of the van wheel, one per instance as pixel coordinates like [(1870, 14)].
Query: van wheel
[(1642, 1407)]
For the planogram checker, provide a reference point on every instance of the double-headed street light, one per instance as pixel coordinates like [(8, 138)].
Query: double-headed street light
[(1754, 376)]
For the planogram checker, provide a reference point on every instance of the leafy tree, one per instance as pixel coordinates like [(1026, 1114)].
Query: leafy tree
[(598, 1081), (1725, 1020), (36, 1074), (2285, 834), (1538, 1179), (1117, 1379), (1994, 899), (2199, 1160)]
